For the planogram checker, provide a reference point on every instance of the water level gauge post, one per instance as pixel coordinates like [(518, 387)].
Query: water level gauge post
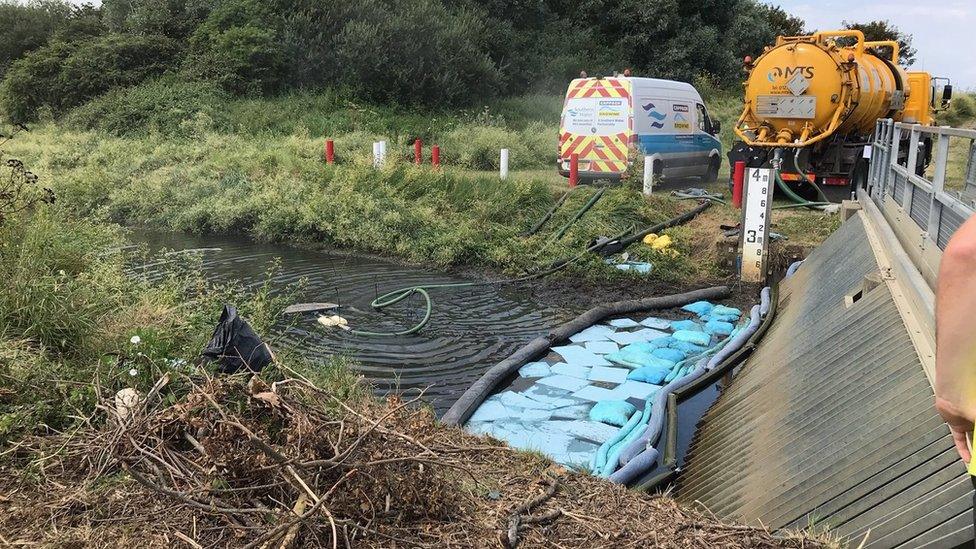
[(753, 236)]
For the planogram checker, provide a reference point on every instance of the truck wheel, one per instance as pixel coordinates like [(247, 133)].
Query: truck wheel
[(711, 176)]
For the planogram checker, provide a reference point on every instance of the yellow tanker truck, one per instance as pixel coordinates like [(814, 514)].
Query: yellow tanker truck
[(811, 103)]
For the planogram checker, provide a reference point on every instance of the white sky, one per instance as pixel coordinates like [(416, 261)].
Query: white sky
[(943, 31)]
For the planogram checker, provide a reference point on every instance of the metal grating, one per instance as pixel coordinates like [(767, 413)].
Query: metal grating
[(919, 208), (898, 187), (948, 223), (831, 419)]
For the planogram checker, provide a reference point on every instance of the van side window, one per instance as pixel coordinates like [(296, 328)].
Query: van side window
[(704, 124)]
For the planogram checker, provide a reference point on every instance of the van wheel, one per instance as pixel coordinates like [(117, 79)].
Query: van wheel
[(711, 176)]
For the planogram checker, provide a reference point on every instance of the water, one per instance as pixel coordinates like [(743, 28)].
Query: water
[(470, 329)]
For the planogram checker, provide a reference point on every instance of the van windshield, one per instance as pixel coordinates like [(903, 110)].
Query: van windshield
[(595, 116)]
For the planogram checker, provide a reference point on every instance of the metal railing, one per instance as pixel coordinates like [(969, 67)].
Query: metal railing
[(924, 202)]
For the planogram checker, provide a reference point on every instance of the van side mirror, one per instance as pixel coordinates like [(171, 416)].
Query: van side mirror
[(716, 127), (946, 96)]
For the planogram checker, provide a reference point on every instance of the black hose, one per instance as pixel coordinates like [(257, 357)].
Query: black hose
[(545, 218), (621, 244)]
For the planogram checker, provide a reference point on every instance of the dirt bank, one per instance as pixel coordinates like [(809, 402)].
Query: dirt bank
[(238, 464)]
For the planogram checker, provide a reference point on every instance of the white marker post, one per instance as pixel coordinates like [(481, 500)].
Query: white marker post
[(503, 165), (376, 154), (756, 211), (382, 153), (648, 174)]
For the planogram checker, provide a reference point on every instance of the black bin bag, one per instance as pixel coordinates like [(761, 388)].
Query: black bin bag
[(235, 346)]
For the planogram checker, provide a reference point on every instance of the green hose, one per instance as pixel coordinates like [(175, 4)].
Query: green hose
[(796, 166), (545, 218), (800, 201), (576, 217), (396, 296)]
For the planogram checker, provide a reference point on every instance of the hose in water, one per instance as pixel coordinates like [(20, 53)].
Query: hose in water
[(396, 296)]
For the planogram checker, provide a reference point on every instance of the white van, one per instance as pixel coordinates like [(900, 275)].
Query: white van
[(609, 121)]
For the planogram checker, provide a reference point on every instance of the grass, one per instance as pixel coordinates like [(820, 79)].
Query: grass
[(278, 188), (69, 308)]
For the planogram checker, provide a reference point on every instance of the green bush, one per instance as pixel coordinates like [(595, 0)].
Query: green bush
[(26, 27), (961, 113), (236, 48), (63, 75), (163, 105)]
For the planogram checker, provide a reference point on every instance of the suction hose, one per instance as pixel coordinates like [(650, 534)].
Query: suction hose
[(399, 295)]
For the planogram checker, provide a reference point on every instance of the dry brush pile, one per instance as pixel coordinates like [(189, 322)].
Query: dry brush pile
[(248, 463)]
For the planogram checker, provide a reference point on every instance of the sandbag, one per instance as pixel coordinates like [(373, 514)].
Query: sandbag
[(695, 338), (687, 347), (672, 355), (699, 308), (650, 374), (689, 325), (717, 327), (235, 346), (722, 310), (612, 412)]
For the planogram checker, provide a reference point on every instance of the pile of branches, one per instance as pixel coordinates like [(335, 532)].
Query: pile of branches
[(240, 462)]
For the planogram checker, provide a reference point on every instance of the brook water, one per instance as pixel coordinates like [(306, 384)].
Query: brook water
[(470, 328)]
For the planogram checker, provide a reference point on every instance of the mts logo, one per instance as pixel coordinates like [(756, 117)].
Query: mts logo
[(788, 72)]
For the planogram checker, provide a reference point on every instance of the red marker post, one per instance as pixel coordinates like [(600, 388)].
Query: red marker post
[(418, 152), (329, 151), (435, 156), (738, 180), (573, 169)]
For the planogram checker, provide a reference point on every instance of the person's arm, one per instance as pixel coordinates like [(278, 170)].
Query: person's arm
[(955, 329)]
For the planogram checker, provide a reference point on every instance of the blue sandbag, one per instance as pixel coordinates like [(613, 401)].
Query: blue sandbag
[(631, 431), (637, 355), (697, 338), (612, 412), (722, 310), (717, 327), (699, 307), (650, 374), (721, 318), (686, 325), (600, 458), (673, 355), (688, 348)]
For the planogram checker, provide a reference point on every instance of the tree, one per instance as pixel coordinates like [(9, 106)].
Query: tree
[(884, 30), (64, 74), (26, 27)]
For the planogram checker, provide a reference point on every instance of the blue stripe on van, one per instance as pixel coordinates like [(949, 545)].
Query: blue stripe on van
[(672, 143)]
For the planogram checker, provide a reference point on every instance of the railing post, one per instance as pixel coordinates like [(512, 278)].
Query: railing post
[(893, 159), (938, 187), (910, 167)]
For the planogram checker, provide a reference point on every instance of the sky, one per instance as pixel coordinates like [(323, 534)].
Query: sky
[(943, 31)]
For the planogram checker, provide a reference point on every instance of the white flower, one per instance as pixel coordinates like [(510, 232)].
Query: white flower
[(133, 372), (135, 340)]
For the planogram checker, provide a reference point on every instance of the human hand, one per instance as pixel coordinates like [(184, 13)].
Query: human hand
[(959, 425)]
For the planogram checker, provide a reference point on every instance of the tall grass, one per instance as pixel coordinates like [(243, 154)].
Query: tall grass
[(70, 307), (278, 188)]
